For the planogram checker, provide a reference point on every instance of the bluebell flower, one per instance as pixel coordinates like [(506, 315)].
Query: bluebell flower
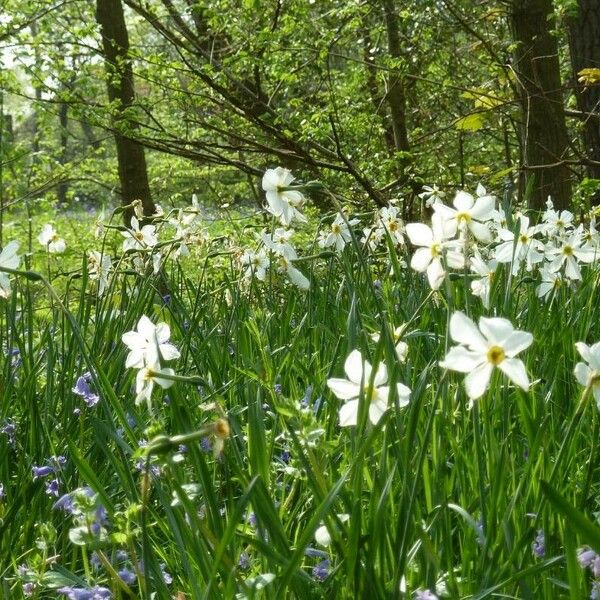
[(425, 595), (165, 575), (9, 429), (28, 589), (205, 444), (95, 593), (595, 593), (65, 502), (310, 551), (127, 576), (39, 472), (307, 396), (95, 561), (121, 556), (59, 461), (539, 544), (252, 519), (244, 561), (277, 388), (321, 571), (83, 388), (52, 487)]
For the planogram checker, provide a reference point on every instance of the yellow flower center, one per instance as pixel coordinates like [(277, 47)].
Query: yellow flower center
[(139, 236), (463, 217), (557, 283), (436, 250), (568, 251), (495, 355), (393, 225), (336, 228), (370, 393), (523, 238)]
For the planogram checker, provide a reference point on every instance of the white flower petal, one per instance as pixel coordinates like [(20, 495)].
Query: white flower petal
[(353, 367), (516, 342), (464, 331), (462, 360), (476, 382), (377, 410), (514, 369), (419, 234), (343, 389), (349, 413), (496, 329)]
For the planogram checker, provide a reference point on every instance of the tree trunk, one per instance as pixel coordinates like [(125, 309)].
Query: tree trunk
[(133, 174), (545, 139), (395, 95), (584, 45)]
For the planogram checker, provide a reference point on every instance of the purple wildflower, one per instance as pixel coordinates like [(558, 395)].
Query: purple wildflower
[(585, 557), (52, 487), (39, 472), (83, 388), (321, 571), (9, 429), (244, 561), (127, 576), (539, 544), (95, 593), (28, 589), (595, 593)]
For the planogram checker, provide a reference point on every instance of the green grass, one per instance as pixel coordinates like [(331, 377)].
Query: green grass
[(435, 492)]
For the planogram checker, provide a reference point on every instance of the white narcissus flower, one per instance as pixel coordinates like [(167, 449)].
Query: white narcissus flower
[(99, 266), (431, 194), (551, 280), (568, 252), (433, 248), (339, 234), (589, 374), (486, 271), (139, 239), (256, 264), (279, 242), (527, 248), (358, 382), (322, 535), (9, 260), (392, 223), (283, 202), (286, 266), (468, 214), (146, 378), (149, 344), (494, 344), (51, 240), (372, 236)]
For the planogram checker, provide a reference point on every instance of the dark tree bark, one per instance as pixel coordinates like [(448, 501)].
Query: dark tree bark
[(584, 46), (395, 94), (544, 130), (133, 174), (63, 116)]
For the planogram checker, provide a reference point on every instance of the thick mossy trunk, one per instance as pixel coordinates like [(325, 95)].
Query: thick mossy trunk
[(584, 45), (544, 132), (133, 174)]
